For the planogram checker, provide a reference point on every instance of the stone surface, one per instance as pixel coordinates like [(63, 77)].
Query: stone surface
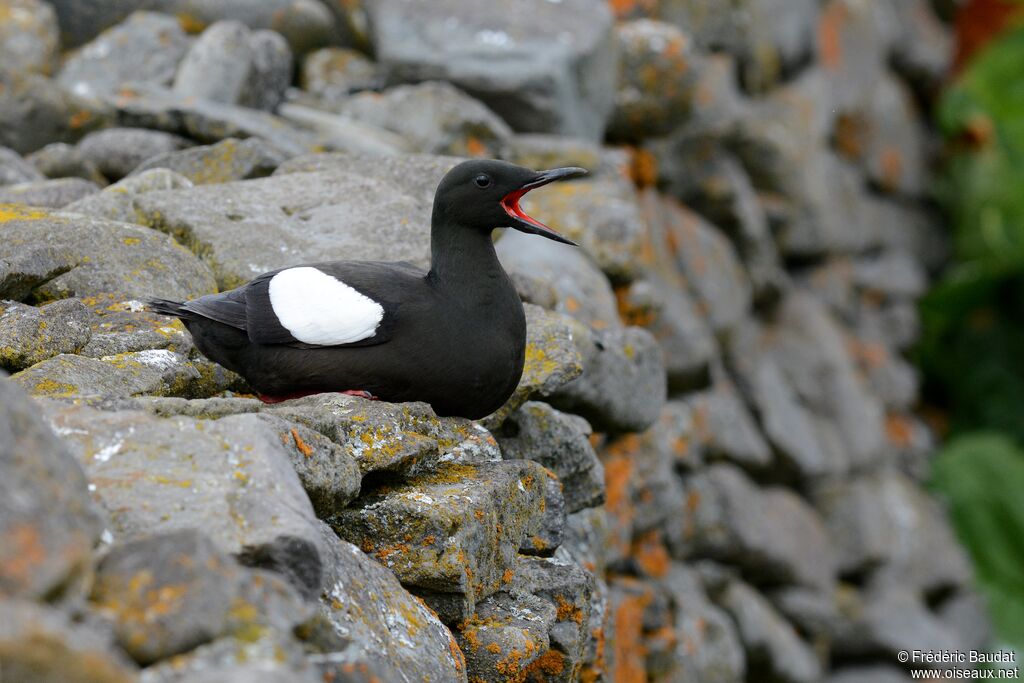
[(452, 535), (224, 162), (52, 255), (116, 152), (506, 636), (510, 57), (622, 387), (36, 111), (43, 645), (232, 478), (771, 533), (48, 193), (272, 67), (390, 630), (47, 521), (560, 442), (332, 73), (547, 535), (725, 430), (434, 117), (29, 38), (61, 160), (117, 202), (31, 335), (146, 48), (14, 169)]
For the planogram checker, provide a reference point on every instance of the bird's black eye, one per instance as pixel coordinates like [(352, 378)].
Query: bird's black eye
[(482, 181)]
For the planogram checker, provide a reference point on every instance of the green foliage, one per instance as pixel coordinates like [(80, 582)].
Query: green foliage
[(982, 475), (972, 348)]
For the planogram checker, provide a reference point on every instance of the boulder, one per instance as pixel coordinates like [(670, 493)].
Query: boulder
[(36, 111), (224, 162), (116, 152), (14, 169), (547, 67), (117, 202), (31, 335), (331, 74), (29, 39), (52, 194), (61, 160)]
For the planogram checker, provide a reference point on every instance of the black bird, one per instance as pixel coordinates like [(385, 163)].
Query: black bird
[(454, 337)]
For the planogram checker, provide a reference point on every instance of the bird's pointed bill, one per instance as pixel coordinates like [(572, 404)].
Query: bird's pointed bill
[(526, 223)]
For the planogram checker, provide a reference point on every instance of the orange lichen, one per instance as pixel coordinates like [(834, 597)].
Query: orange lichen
[(507, 576), (629, 663), (566, 611), (899, 430), (643, 168), (650, 554), (830, 35)]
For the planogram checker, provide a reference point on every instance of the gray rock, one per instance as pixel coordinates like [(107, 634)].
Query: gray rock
[(622, 388), (967, 614), (891, 273), (725, 430), (548, 67), (506, 636), (147, 106), (304, 23), (813, 612), (923, 49), (29, 39), (48, 193), (770, 533), (124, 328), (435, 117), (43, 645), (768, 37), (581, 289), (14, 169), (60, 255), (331, 74), (449, 536), (46, 517), (36, 111), (336, 133), (117, 202), (393, 630), (853, 44), (243, 492), (394, 437), (218, 65), (224, 162), (773, 647), (146, 48), (708, 648), (561, 443), (539, 150), (116, 152), (547, 536), (885, 523), (61, 160), (172, 592), (31, 335), (657, 79), (271, 70)]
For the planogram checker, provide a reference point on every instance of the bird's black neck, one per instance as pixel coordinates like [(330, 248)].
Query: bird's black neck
[(463, 258)]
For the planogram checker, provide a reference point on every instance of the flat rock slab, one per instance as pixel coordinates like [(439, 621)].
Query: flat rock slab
[(49, 193), (232, 478), (451, 535), (364, 603), (52, 255), (31, 335), (47, 522)]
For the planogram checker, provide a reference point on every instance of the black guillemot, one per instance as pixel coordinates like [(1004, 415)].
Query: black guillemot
[(454, 337)]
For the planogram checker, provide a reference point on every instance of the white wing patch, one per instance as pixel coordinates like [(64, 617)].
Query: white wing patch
[(319, 309)]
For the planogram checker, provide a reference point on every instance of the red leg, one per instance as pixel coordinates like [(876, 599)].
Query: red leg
[(361, 393), (277, 398)]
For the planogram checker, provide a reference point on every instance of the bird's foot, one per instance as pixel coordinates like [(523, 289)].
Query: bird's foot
[(277, 398), (361, 393)]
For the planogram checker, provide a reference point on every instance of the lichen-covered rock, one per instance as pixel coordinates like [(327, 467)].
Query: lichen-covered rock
[(582, 291), (61, 160), (169, 593), (36, 111), (43, 645), (623, 386), (506, 636), (552, 360), (152, 371), (884, 523), (116, 152), (772, 645), (52, 255), (30, 335), (546, 536), (223, 162), (116, 202), (29, 39), (332, 74), (435, 117), (657, 78), (770, 533), (14, 169), (853, 40), (561, 443), (380, 624), (395, 437), (232, 478), (145, 48), (451, 535), (540, 150), (47, 521), (547, 67), (52, 194), (724, 429)]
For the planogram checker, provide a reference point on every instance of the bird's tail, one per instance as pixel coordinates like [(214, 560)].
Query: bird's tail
[(165, 307)]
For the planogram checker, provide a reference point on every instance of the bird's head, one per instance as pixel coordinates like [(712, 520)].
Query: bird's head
[(484, 194)]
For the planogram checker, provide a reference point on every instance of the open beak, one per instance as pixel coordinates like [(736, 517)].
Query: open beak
[(523, 222)]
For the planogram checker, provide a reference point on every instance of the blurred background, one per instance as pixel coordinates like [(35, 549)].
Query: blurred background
[(800, 287)]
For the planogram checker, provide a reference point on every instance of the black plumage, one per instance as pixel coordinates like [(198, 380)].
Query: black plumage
[(453, 337)]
